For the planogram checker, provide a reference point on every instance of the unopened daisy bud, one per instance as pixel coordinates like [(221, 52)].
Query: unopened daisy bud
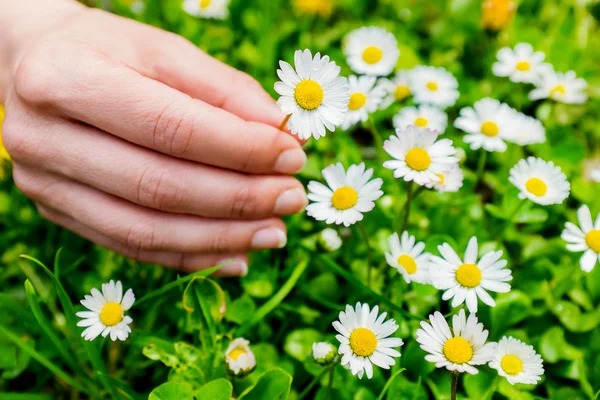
[(496, 14), (323, 353), (239, 359), (330, 240)]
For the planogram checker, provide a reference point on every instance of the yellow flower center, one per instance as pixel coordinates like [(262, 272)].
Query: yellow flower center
[(408, 263), (468, 275), (363, 342), (357, 101), (344, 198), (512, 365), (418, 159), (489, 128), (558, 89), (111, 314), (523, 66), (592, 238), (421, 122), (536, 186), (442, 179), (372, 55), (309, 94), (458, 350), (432, 86), (236, 353), (402, 92), (204, 3)]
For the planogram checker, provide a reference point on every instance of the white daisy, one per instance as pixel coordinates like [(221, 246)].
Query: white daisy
[(586, 238), (467, 280), (424, 116), (419, 156), (371, 51), (450, 180), (526, 130), (323, 353), (540, 181), (365, 340), (408, 258), (217, 9), (517, 362), (435, 86), (347, 197), (396, 89), (330, 240), (458, 350), (239, 359), (520, 65), (364, 99), (106, 313), (559, 86), (314, 94), (486, 124)]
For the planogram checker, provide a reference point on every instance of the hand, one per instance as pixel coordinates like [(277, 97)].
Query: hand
[(135, 139)]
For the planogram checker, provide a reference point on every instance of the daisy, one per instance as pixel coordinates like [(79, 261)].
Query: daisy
[(520, 65), (365, 340), (458, 350), (396, 89), (540, 181), (217, 9), (313, 7), (561, 87), (526, 130), (364, 99), (347, 197), (239, 359), (419, 156), (408, 258), (314, 94), (486, 124), (450, 180), (586, 238), (517, 361), (323, 353), (3, 153), (466, 280), (330, 240), (106, 313), (435, 86), (371, 51), (424, 116)]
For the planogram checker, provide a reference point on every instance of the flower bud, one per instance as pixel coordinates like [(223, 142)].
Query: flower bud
[(239, 359), (323, 353), (329, 240)]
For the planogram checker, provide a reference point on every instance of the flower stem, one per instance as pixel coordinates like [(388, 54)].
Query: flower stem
[(284, 122), (453, 385), (330, 383), (365, 236), (406, 208), (377, 137), (312, 383), (480, 166)]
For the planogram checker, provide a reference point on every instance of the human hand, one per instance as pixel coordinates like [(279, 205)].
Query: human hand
[(135, 139)]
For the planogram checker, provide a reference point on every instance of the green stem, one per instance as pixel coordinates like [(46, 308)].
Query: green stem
[(365, 236), (314, 381), (453, 385), (480, 166), (406, 208), (376, 137), (330, 383)]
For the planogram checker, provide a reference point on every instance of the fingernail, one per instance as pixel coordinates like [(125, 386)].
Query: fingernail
[(290, 161), (233, 267), (290, 202), (270, 238)]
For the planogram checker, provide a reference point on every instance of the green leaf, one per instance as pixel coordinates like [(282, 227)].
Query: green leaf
[(273, 385), (241, 309), (172, 391), (162, 351), (511, 308), (389, 383), (554, 347), (219, 389), (298, 343)]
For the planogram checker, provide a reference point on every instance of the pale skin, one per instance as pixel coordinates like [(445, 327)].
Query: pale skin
[(135, 139)]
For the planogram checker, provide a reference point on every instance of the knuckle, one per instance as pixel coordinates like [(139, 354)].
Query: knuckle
[(35, 78), (140, 235), (220, 242), (26, 182), (156, 188), (14, 139), (173, 129), (244, 203)]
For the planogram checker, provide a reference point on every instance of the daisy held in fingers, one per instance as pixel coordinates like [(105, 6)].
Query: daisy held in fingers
[(540, 181), (364, 99), (408, 258), (520, 64), (559, 86), (435, 86), (313, 96), (396, 89), (371, 51), (424, 116), (106, 315), (585, 237), (517, 362), (218, 9), (365, 339), (461, 349), (239, 359), (469, 279)]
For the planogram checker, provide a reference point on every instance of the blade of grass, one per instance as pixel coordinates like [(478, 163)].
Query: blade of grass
[(8, 303), (389, 383), (23, 396)]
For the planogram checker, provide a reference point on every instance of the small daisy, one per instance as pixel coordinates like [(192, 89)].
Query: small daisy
[(347, 197), (467, 280), (521, 64), (458, 350), (365, 98), (106, 313), (419, 156), (217, 9), (397, 89), (586, 238), (561, 87), (330, 240), (486, 124), (424, 116), (313, 7), (408, 258), (323, 353), (371, 51), (239, 359), (435, 86), (526, 130), (540, 181), (365, 340), (314, 94), (450, 180), (517, 362)]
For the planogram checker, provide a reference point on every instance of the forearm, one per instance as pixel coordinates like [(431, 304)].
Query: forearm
[(23, 22)]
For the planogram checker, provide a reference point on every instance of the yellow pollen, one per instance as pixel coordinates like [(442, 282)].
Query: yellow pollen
[(458, 350), (523, 66), (592, 238), (441, 176), (344, 198), (558, 89), (468, 275), (421, 122), (204, 3), (357, 101), (363, 342), (489, 128), (402, 92), (512, 365), (408, 263), (418, 159), (236, 353), (309, 94), (111, 314), (536, 186), (432, 86), (372, 55)]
